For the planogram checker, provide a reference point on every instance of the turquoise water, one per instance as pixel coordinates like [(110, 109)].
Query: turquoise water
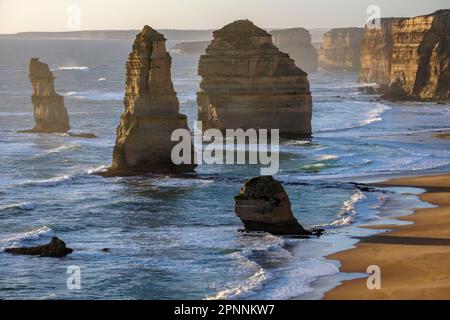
[(176, 237)]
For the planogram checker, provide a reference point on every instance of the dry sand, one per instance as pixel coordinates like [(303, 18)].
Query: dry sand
[(414, 259), (442, 136)]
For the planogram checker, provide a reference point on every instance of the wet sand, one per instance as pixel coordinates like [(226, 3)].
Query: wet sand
[(414, 258)]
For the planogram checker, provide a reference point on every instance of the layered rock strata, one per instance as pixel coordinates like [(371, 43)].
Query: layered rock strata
[(420, 63), (341, 49), (151, 111), (50, 114), (376, 53), (297, 43), (247, 82), (263, 205)]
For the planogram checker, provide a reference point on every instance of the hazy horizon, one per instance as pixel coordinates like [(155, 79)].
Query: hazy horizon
[(62, 15)]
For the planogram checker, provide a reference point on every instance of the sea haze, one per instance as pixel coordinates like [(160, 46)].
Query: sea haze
[(176, 237)]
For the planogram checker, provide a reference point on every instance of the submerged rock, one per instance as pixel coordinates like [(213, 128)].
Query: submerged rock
[(56, 248), (248, 83), (151, 111), (420, 63), (341, 49), (263, 205), (297, 43), (50, 113)]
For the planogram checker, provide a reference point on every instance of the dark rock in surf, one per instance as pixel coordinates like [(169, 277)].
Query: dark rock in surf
[(263, 205), (56, 249)]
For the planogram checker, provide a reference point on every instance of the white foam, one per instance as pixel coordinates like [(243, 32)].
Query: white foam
[(70, 68), (375, 115), (32, 234), (51, 181), (21, 206), (98, 169), (348, 209), (101, 79), (327, 157)]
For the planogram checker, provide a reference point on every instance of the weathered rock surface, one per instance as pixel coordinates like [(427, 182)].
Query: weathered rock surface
[(50, 113), (56, 248), (376, 53), (191, 47), (248, 83), (297, 43), (341, 49), (151, 111), (420, 65), (263, 205)]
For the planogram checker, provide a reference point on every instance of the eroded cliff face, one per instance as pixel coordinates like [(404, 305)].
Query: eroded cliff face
[(151, 111), (297, 43), (376, 53), (421, 58), (341, 49), (248, 83), (50, 113)]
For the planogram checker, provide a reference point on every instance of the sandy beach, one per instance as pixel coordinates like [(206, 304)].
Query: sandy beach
[(414, 258), (443, 135)]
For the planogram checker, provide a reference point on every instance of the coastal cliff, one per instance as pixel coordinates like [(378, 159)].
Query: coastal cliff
[(50, 113), (376, 53), (341, 49), (297, 43), (247, 82), (151, 111), (420, 65)]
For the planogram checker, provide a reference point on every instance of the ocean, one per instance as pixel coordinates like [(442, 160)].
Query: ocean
[(176, 237)]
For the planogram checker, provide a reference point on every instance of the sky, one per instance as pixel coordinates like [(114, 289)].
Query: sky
[(68, 15)]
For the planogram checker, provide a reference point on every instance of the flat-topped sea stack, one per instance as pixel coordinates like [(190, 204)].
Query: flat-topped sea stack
[(190, 47), (263, 205), (420, 65), (341, 49), (151, 114), (50, 114), (297, 43), (247, 82), (376, 53)]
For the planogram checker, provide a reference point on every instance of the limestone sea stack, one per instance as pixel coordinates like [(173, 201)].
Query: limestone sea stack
[(247, 82), (297, 43), (341, 49), (263, 205), (420, 65), (376, 53), (50, 114), (151, 111)]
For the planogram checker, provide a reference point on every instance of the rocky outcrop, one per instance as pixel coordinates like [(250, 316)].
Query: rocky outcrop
[(376, 53), (263, 205), (151, 111), (420, 65), (297, 43), (341, 49), (248, 83), (56, 249), (190, 47), (50, 113)]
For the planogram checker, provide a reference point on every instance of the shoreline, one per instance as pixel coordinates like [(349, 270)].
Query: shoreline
[(413, 258)]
